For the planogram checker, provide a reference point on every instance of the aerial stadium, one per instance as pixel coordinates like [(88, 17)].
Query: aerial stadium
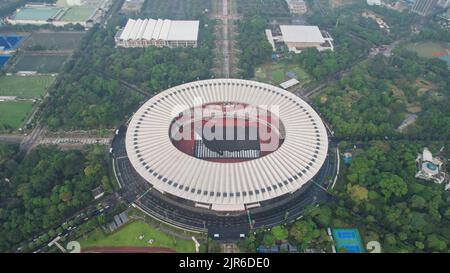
[(221, 147)]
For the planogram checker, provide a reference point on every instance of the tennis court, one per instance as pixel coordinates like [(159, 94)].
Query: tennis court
[(348, 240)]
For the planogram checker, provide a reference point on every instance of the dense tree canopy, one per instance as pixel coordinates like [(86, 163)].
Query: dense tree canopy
[(403, 213), (255, 49), (374, 99), (40, 190)]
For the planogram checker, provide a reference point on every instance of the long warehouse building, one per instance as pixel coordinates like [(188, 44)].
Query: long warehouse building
[(160, 33)]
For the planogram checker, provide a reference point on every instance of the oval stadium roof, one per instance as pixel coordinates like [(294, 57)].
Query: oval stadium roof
[(226, 186)]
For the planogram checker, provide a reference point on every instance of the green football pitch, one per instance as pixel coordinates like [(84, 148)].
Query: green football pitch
[(25, 87), (13, 114)]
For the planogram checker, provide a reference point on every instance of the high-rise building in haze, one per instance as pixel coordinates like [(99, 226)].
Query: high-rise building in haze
[(424, 7)]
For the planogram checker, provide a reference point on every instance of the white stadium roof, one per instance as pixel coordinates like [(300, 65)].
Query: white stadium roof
[(159, 29), (283, 171), (301, 34)]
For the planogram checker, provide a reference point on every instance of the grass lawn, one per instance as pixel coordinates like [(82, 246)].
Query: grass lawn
[(275, 72), (76, 14), (128, 236), (13, 114), (40, 63), (25, 87), (60, 40), (278, 75)]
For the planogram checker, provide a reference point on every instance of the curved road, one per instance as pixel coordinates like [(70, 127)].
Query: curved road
[(136, 191)]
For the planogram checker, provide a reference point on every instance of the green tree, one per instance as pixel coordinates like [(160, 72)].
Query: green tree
[(280, 233), (392, 185)]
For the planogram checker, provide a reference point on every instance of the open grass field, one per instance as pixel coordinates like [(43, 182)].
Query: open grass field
[(128, 236), (276, 73), (271, 8), (13, 114), (175, 9), (429, 49), (45, 64), (54, 40), (77, 14), (25, 87)]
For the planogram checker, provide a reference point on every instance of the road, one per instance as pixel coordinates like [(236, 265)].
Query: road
[(31, 140), (180, 213), (74, 141), (12, 138), (225, 56), (374, 51)]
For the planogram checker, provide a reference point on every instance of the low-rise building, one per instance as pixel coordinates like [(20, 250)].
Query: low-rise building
[(98, 192), (430, 168), (131, 6), (444, 3), (298, 37), (158, 32), (424, 7), (297, 6)]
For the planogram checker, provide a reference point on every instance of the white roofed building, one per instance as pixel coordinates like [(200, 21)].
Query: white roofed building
[(159, 32), (298, 37), (430, 168)]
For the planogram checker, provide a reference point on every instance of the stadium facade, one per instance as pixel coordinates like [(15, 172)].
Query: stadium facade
[(179, 141), (159, 32)]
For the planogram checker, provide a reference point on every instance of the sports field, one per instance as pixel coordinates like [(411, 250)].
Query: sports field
[(25, 87), (54, 40), (13, 114), (45, 64), (77, 14), (278, 72), (348, 240), (128, 236), (446, 58), (9, 42), (4, 59), (429, 49), (41, 13)]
